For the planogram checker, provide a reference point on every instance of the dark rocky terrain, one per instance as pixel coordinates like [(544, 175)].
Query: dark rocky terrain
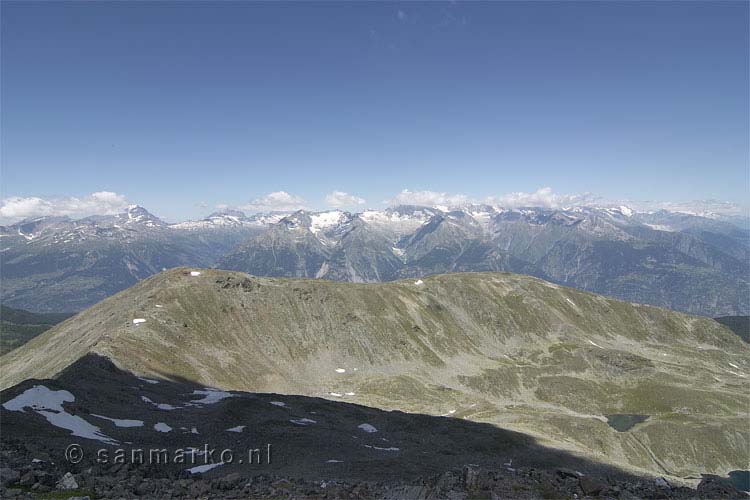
[(319, 448)]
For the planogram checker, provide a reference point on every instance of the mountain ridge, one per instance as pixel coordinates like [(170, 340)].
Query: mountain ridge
[(505, 349)]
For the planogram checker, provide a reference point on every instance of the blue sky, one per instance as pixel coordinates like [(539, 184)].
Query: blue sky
[(182, 106)]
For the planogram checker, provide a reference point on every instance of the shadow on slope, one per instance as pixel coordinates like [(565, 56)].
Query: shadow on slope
[(309, 437), (738, 324)]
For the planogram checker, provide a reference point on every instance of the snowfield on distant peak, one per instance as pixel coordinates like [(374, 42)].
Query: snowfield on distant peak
[(324, 220)]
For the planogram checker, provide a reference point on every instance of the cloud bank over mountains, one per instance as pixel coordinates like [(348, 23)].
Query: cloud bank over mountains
[(280, 201), (17, 208), (340, 199)]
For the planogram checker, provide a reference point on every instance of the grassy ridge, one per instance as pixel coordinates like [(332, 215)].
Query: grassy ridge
[(506, 349)]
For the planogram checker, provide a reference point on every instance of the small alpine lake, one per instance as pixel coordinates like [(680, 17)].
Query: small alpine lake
[(622, 422)]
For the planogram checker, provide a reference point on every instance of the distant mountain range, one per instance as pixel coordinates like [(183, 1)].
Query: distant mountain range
[(680, 261)]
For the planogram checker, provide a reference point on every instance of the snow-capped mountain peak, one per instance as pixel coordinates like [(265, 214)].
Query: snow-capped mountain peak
[(324, 221)]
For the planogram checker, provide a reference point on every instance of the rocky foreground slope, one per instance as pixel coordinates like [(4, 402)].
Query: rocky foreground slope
[(643, 388), (182, 440)]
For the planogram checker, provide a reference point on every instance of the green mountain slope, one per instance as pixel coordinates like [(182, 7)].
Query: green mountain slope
[(504, 349), (18, 326), (738, 324)]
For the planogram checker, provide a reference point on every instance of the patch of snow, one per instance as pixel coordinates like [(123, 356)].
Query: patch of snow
[(334, 461), (161, 406), (49, 404), (324, 220), (595, 344), (159, 306), (239, 428), (162, 427), (121, 422), (194, 430), (367, 428), (148, 380), (392, 448), (419, 282), (137, 321), (397, 251), (278, 403), (195, 273), (349, 393), (734, 366), (210, 396), (303, 421), (340, 370), (335, 394), (200, 469)]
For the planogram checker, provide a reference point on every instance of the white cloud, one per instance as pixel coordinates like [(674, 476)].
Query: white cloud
[(338, 199), (401, 15), (696, 207), (429, 199), (542, 197), (276, 201), (17, 208)]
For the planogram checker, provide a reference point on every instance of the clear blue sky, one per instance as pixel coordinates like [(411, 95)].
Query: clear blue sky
[(177, 103)]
